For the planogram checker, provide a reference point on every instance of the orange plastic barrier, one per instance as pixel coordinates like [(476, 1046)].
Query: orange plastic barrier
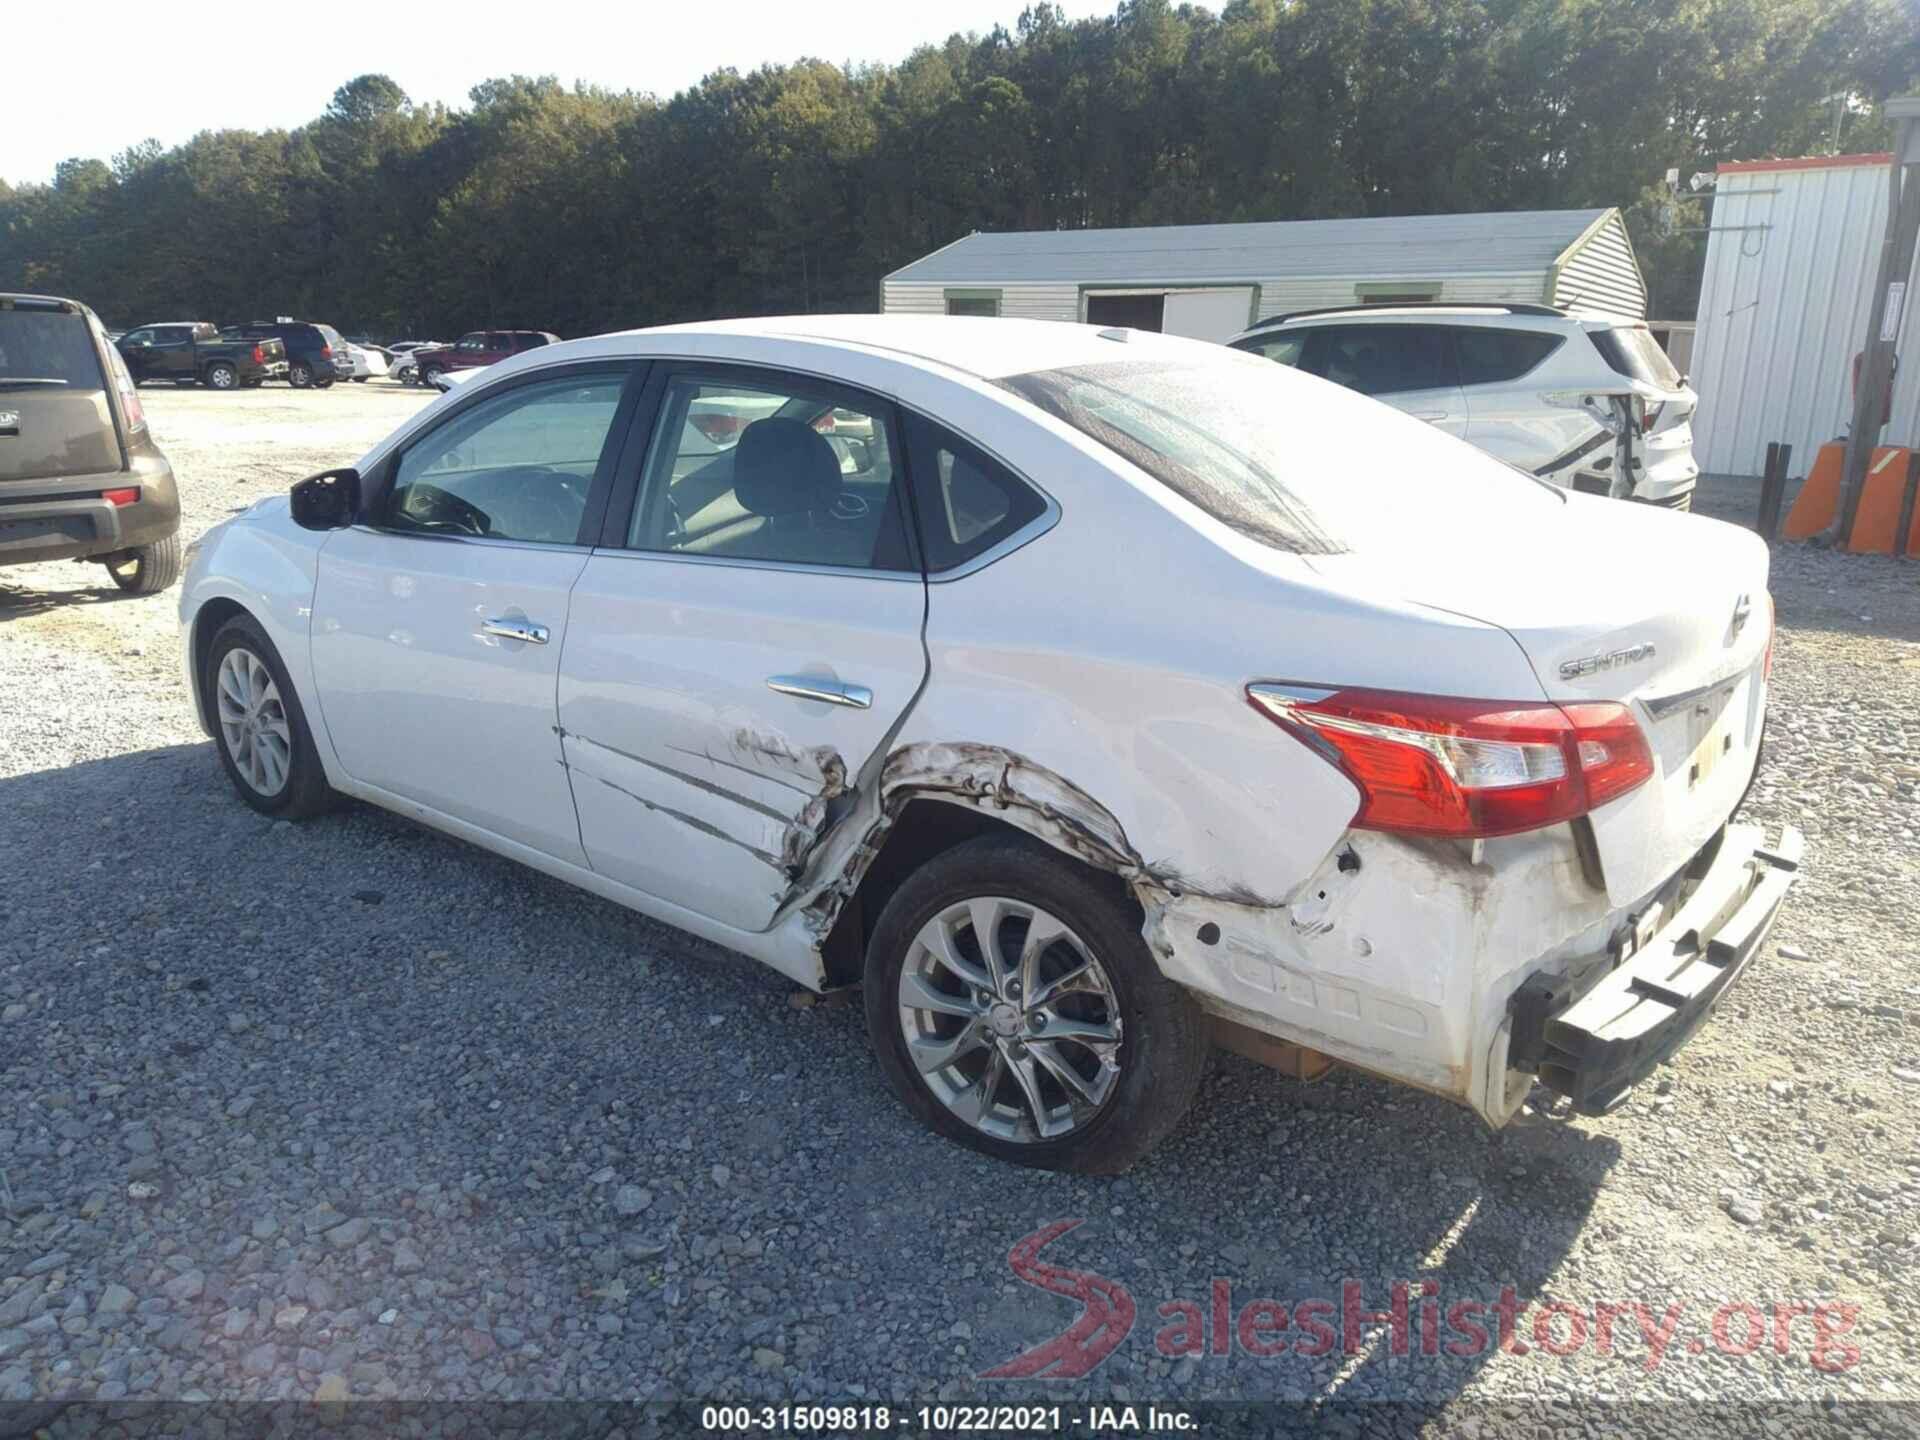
[(1879, 513)]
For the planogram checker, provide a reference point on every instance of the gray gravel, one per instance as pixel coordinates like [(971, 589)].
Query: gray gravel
[(350, 1108)]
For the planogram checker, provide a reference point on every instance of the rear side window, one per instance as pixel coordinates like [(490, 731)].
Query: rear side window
[(967, 501), (47, 349), (1633, 352), (1488, 356), (1283, 349), (1382, 359), (330, 335)]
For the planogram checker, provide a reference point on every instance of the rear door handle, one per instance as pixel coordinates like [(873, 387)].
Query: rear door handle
[(807, 687), (515, 630)]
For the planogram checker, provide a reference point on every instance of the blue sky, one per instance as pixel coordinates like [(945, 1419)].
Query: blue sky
[(91, 79)]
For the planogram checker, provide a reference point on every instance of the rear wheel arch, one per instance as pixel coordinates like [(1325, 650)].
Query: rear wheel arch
[(926, 825)]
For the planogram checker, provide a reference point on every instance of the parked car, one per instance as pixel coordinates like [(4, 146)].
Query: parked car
[(1371, 749), (1587, 401), (367, 362), (193, 351), (80, 476), (402, 352), (445, 380), (316, 355), (479, 348)]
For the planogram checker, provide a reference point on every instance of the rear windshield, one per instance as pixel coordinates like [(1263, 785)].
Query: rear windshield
[(1633, 352), (1317, 473), (51, 349)]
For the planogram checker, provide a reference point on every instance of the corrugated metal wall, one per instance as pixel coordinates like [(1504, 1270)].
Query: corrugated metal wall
[(1783, 311), (1602, 275)]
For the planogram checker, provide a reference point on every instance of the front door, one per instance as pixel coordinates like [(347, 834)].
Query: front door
[(439, 623), (746, 640)]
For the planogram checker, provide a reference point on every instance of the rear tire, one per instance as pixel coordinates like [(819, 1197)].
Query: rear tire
[(1123, 1094), (299, 375), (222, 376), (258, 722), (149, 569)]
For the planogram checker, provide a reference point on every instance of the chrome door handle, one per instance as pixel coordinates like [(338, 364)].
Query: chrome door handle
[(1429, 415), (804, 687), (515, 630)]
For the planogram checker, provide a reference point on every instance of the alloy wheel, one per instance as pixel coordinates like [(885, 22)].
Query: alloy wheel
[(1010, 1019), (253, 721)]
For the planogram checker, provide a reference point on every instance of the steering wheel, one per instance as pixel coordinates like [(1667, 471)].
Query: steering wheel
[(431, 508)]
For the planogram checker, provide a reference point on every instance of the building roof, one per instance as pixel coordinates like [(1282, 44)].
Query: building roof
[(1804, 162), (1415, 246)]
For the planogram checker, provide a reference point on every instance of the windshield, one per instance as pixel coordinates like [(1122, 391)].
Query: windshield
[(1633, 352), (47, 349), (1312, 473)]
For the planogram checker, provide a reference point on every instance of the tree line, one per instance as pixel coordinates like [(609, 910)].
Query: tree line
[(795, 187)]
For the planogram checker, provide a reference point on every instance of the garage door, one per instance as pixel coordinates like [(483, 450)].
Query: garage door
[(1208, 314)]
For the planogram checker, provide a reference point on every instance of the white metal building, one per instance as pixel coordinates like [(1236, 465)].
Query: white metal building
[(1211, 281), (1792, 255)]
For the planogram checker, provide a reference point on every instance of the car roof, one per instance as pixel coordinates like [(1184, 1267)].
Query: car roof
[(985, 346), (28, 298)]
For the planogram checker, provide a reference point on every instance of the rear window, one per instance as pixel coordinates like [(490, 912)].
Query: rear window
[(47, 349), (330, 335), (1633, 352), (1240, 439)]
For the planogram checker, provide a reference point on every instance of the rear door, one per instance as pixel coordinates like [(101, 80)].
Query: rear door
[(1508, 416), (745, 639), (439, 622), (55, 416), (1410, 367)]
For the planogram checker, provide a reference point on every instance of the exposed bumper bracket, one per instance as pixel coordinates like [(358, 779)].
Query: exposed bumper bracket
[(1595, 1048)]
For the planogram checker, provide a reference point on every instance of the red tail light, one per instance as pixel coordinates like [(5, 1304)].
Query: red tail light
[(326, 352), (825, 423), (121, 497), (1435, 765), (1651, 416), (259, 355)]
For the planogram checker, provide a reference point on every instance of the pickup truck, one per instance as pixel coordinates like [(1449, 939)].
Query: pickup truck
[(194, 351)]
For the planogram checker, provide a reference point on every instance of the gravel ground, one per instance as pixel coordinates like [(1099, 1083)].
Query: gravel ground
[(353, 1109)]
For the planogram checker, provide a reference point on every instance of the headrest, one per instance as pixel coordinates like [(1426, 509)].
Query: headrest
[(784, 467)]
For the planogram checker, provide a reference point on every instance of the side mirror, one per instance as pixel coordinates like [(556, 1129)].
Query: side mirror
[(327, 501)]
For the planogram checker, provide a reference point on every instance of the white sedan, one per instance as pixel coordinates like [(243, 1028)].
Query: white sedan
[(1099, 697)]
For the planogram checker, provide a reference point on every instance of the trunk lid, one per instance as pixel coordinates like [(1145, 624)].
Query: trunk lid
[(55, 418), (1615, 601)]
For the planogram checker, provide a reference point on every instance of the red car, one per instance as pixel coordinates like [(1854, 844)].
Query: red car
[(478, 348)]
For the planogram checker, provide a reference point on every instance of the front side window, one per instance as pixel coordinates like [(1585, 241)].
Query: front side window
[(138, 337), (476, 341), (1382, 359), (518, 466), (1490, 356), (782, 470)]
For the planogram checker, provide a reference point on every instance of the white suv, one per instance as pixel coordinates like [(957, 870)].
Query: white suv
[(1587, 401)]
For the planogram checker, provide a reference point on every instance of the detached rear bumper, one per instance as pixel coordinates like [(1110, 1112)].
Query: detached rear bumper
[(1596, 1048)]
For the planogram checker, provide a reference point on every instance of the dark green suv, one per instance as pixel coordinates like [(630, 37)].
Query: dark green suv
[(80, 476)]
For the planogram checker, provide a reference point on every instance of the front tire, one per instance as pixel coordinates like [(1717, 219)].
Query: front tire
[(259, 727), (149, 569), (1059, 1044)]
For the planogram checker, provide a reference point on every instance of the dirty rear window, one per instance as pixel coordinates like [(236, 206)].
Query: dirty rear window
[(47, 349), (1310, 473)]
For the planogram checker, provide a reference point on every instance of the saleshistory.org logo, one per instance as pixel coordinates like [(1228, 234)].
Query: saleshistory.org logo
[(1416, 1322)]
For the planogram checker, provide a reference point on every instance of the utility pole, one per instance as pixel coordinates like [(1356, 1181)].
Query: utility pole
[(1885, 317)]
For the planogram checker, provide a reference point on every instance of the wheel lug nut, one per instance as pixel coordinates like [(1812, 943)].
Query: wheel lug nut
[(1037, 1021)]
